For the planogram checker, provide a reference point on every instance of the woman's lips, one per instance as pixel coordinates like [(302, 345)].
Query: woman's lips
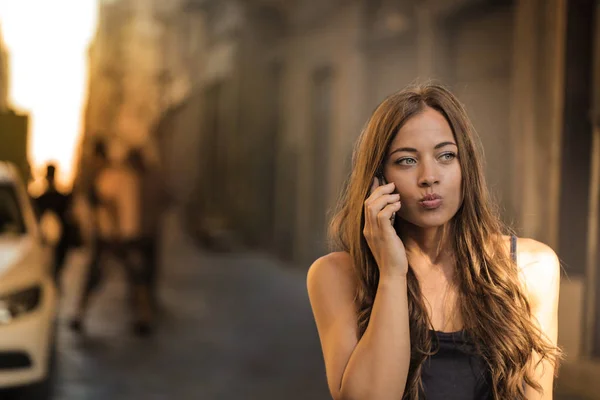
[(430, 204)]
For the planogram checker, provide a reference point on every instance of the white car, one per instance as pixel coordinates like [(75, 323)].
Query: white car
[(28, 295)]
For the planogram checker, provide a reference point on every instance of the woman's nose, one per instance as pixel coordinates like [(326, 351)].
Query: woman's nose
[(428, 176)]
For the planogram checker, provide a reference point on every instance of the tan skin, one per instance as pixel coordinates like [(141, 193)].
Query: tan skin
[(422, 160)]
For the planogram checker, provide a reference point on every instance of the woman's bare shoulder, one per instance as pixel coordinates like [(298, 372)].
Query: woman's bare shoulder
[(539, 268), (332, 270), (531, 252), (535, 254)]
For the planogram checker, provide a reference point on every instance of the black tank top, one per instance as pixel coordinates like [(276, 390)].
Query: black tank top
[(456, 371)]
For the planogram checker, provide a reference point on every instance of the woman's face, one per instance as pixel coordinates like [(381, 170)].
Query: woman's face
[(422, 161)]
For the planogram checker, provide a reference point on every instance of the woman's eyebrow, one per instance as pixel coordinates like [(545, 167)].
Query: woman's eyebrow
[(413, 150), (440, 145)]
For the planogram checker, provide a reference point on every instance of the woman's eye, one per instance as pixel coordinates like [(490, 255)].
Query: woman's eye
[(448, 156), (406, 161)]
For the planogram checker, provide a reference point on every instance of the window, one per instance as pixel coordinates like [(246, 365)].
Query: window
[(11, 220)]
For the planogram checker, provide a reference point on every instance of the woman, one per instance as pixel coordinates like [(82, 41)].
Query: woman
[(427, 298)]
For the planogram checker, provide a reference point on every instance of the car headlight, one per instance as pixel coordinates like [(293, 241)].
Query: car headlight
[(16, 304)]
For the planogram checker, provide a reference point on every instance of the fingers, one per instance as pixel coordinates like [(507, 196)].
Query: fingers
[(373, 206), (380, 214), (387, 214), (382, 204), (377, 190)]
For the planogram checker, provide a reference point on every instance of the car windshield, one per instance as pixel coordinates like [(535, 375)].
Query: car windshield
[(11, 220)]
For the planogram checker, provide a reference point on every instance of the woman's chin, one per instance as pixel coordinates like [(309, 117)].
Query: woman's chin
[(427, 221)]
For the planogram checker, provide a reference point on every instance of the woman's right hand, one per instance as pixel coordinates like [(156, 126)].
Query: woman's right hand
[(384, 242)]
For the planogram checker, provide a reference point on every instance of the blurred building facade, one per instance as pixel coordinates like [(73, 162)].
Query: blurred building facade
[(4, 82), (14, 128), (139, 67), (292, 83), (256, 104)]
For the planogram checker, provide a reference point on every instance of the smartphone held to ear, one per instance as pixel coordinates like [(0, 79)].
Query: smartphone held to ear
[(382, 182)]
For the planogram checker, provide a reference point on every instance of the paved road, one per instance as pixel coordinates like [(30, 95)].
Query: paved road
[(233, 327)]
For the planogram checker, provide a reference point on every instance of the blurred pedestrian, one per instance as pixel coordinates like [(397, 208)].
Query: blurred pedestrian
[(153, 203), (114, 196), (52, 200)]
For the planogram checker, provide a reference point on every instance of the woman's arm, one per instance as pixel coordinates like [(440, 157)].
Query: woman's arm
[(375, 367), (541, 272)]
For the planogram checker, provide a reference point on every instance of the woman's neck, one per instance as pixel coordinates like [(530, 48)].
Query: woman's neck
[(432, 245)]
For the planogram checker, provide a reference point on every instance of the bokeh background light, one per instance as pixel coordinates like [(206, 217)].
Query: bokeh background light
[(47, 43)]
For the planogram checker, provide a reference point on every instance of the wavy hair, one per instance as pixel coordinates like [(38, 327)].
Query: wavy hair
[(492, 303)]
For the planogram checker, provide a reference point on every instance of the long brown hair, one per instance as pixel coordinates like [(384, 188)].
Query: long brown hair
[(492, 303)]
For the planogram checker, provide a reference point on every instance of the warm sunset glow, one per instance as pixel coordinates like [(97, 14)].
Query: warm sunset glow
[(47, 43)]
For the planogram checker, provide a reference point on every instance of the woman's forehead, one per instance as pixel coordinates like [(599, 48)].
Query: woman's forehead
[(427, 127)]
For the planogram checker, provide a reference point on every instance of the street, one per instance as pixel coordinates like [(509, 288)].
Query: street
[(231, 327)]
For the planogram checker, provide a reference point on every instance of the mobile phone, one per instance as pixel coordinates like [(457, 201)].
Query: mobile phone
[(382, 182)]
